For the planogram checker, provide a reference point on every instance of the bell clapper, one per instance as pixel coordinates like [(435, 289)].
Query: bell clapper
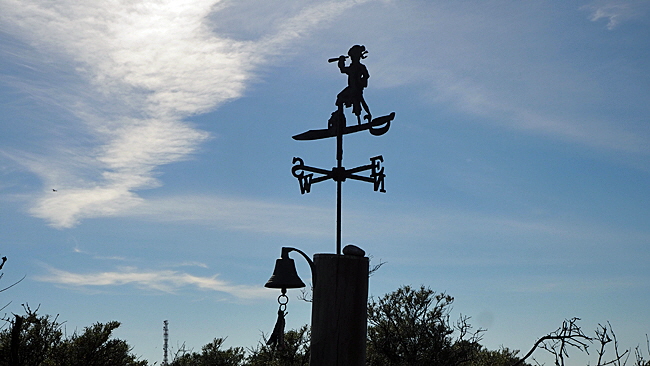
[(276, 340)]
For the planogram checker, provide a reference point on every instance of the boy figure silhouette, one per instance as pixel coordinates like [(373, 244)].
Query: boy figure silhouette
[(352, 95)]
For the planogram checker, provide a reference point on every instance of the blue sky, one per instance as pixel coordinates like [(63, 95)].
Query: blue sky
[(517, 167)]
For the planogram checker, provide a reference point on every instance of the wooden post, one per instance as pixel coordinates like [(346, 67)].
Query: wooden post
[(339, 310), (14, 356)]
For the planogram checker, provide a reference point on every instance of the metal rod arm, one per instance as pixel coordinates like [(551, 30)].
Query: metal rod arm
[(362, 178), (312, 169), (287, 250), (359, 169)]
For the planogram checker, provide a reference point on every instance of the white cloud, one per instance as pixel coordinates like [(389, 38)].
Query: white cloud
[(191, 264), (139, 68), (144, 67), (616, 11), (158, 280)]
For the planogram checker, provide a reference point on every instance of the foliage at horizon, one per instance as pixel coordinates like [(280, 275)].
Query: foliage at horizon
[(37, 340), (407, 327)]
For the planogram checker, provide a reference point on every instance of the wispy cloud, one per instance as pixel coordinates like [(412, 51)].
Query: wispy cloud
[(129, 73), (144, 66), (238, 214), (568, 284), (191, 264), (616, 11), (502, 65), (159, 280), (420, 226)]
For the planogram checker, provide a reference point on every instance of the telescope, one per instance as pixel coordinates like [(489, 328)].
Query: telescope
[(334, 59)]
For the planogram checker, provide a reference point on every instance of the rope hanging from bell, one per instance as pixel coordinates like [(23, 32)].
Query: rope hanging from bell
[(276, 340)]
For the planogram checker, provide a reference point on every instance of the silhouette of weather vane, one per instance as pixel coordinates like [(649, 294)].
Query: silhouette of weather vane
[(351, 96)]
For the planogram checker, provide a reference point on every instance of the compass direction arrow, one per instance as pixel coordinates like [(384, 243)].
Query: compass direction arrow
[(339, 174), (377, 127)]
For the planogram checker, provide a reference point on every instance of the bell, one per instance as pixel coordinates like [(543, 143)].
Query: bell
[(284, 274)]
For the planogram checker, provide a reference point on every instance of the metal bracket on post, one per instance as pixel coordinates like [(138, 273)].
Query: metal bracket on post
[(285, 254)]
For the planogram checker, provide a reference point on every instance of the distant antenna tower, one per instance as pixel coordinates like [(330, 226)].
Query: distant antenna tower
[(165, 342)]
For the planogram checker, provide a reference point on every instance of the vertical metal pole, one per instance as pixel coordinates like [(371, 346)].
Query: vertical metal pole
[(339, 165), (165, 342), (338, 218)]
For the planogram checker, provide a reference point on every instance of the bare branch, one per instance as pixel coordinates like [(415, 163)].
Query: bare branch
[(306, 296), (375, 268), (640, 360), (602, 338), (464, 329), (619, 357), (569, 334), (13, 284)]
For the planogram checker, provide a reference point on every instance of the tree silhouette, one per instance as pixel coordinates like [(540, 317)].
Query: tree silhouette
[(412, 327), (35, 340), (211, 355), (294, 353), (570, 336)]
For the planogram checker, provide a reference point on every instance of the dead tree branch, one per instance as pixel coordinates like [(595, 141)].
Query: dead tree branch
[(557, 342)]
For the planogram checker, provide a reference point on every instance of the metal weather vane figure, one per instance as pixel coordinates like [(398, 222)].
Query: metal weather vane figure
[(350, 96)]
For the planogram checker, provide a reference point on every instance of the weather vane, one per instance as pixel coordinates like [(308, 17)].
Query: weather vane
[(351, 96)]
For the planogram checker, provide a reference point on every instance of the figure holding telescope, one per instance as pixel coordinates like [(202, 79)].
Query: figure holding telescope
[(352, 95)]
